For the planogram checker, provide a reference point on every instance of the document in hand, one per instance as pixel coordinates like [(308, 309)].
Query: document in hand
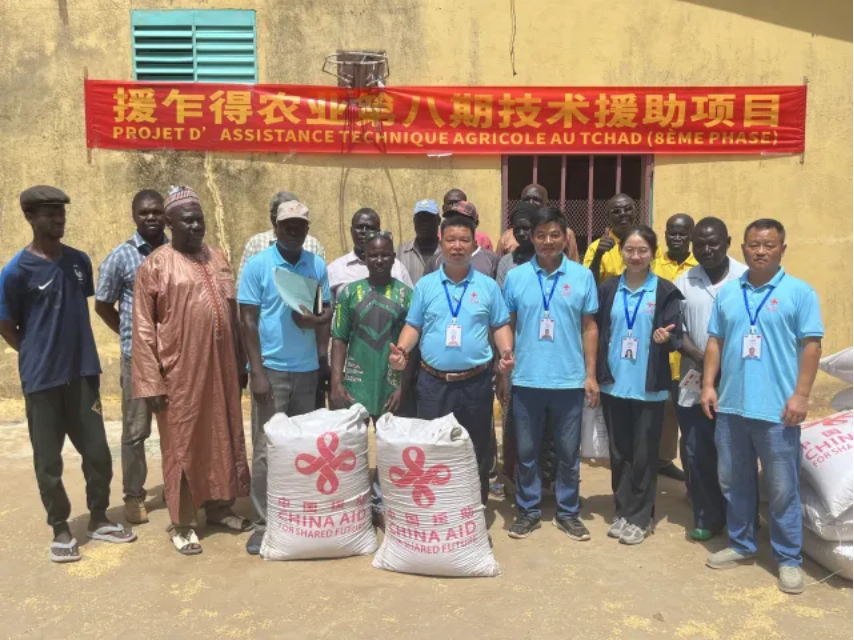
[(295, 289)]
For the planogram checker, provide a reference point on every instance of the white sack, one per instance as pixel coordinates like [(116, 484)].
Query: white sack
[(839, 365), (434, 520), (833, 556), (827, 453), (318, 487), (816, 518), (594, 434)]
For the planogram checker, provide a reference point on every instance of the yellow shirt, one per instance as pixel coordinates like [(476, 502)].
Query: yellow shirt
[(612, 264), (669, 269)]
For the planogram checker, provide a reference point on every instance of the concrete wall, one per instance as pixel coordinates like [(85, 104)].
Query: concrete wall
[(47, 47)]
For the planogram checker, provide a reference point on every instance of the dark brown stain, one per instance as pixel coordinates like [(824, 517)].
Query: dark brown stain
[(63, 11)]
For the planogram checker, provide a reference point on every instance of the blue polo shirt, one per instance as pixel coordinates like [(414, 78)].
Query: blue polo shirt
[(482, 308), (284, 346), (759, 389), (47, 302), (630, 375), (574, 295)]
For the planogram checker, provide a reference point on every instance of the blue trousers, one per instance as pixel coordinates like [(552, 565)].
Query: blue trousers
[(700, 458), (471, 403), (531, 407), (740, 441)]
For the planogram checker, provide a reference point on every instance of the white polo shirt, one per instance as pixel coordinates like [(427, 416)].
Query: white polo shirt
[(697, 309)]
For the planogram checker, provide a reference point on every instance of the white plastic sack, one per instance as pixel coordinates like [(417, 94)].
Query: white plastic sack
[(594, 434), (434, 520), (826, 460), (836, 557), (816, 518), (843, 400), (839, 365), (318, 487)]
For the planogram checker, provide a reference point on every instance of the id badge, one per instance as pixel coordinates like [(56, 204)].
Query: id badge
[(751, 347), (547, 329), (454, 336), (629, 350)]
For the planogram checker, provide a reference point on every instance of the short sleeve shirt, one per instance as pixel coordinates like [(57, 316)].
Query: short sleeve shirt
[(575, 295), (116, 279), (47, 302), (284, 345), (760, 388), (481, 308), (368, 319), (630, 373)]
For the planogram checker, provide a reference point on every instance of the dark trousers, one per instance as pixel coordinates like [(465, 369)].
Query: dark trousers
[(634, 435), (471, 403), (72, 410), (701, 467)]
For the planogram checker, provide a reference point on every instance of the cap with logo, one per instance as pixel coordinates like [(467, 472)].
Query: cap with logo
[(426, 206), (43, 194), (290, 210)]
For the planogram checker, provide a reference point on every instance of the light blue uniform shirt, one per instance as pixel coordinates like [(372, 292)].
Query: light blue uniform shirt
[(630, 375), (284, 346), (558, 363), (760, 388), (482, 309)]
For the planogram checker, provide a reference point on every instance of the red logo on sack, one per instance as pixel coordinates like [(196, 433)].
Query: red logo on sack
[(414, 476), (326, 464)]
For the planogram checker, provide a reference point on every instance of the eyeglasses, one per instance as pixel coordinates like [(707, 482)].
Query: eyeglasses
[(371, 235)]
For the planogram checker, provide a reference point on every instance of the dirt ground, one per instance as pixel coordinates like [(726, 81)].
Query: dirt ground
[(550, 585)]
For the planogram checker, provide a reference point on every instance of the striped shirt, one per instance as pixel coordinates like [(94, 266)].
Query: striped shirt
[(116, 277), (261, 241)]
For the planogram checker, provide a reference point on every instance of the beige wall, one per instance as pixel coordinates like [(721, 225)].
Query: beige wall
[(47, 47)]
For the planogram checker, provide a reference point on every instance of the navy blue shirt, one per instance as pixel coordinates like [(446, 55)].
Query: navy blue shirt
[(47, 302)]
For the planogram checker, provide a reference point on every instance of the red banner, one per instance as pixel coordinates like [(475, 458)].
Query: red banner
[(443, 120)]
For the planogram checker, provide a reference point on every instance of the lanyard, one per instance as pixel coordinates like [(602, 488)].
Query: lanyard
[(546, 301), (754, 318), (630, 322), (455, 312)]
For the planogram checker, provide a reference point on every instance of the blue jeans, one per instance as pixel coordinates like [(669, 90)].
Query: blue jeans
[(739, 442), (530, 408), (700, 458)]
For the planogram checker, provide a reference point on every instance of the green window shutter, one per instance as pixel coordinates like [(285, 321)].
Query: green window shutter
[(200, 46)]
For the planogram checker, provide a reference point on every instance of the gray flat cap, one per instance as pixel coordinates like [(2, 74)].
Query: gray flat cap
[(43, 194)]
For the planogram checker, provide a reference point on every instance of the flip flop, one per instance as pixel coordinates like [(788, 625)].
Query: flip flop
[(183, 543), (105, 534), (235, 523), (74, 556)]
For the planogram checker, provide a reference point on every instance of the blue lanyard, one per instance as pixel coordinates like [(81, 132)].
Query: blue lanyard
[(754, 318), (455, 312), (630, 322), (546, 301)]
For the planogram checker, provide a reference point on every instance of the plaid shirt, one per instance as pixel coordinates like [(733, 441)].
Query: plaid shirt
[(261, 241), (116, 277)]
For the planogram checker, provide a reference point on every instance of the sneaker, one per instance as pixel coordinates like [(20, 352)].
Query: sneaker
[(670, 470), (572, 527), (790, 580), (633, 534), (135, 511), (727, 559), (616, 527), (524, 526)]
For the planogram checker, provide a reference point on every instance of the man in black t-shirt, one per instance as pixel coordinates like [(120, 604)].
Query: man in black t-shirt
[(45, 318)]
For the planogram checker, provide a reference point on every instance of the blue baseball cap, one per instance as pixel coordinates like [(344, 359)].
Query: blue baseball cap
[(428, 206)]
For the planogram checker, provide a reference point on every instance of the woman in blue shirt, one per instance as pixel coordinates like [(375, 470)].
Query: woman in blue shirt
[(640, 323)]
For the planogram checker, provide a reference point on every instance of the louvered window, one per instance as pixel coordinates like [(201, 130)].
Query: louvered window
[(194, 46)]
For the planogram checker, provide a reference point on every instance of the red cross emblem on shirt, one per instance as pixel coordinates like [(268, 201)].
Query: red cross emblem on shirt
[(565, 290), (473, 298)]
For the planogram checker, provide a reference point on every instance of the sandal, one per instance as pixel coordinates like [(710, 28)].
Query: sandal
[(73, 556), (112, 533), (234, 523), (187, 544)]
